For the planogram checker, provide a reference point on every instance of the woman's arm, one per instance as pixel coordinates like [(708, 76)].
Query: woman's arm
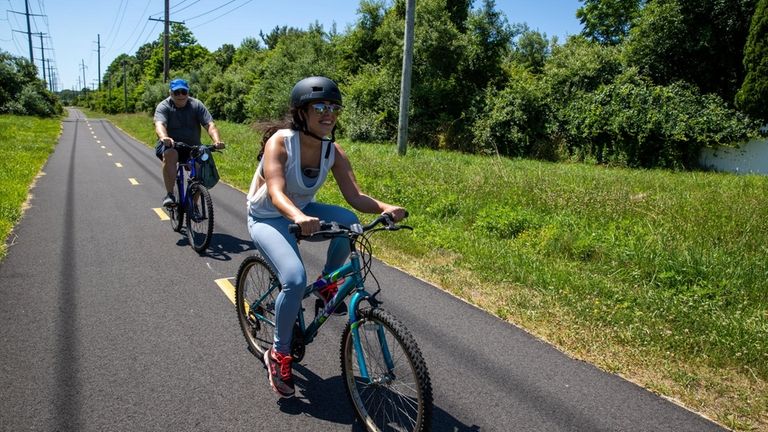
[(345, 178)]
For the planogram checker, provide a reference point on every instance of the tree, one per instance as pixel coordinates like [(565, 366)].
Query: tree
[(360, 46), (272, 38), (22, 92), (487, 38), (752, 98), (184, 53), (224, 55), (531, 50), (608, 21), (297, 55), (248, 48), (699, 42)]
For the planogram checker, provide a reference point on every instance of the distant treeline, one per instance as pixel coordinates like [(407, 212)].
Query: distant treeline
[(646, 83)]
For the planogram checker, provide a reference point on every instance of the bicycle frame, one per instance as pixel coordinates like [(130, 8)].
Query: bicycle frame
[(181, 179), (351, 272)]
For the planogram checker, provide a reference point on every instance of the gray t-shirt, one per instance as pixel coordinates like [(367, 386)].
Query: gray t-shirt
[(183, 124)]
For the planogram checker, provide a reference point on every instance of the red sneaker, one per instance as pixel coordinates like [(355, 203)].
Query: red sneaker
[(280, 372)]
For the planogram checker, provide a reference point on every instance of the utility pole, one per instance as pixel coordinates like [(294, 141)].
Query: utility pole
[(82, 66), (125, 90), (405, 81), (29, 32), (166, 36), (29, 29), (98, 50), (42, 53), (51, 82)]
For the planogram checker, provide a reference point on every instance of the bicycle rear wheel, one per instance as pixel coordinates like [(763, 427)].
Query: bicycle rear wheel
[(397, 393), (256, 290), (199, 217), (176, 213)]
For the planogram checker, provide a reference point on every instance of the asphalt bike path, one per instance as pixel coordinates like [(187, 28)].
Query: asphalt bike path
[(110, 321)]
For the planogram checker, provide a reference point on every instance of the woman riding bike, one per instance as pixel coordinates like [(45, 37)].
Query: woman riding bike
[(294, 164)]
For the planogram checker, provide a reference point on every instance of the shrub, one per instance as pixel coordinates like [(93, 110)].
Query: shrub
[(635, 123)]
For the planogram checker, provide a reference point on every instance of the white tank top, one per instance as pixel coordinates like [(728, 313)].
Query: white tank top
[(260, 204)]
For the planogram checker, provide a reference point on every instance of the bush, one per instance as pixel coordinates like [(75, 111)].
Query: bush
[(21, 92), (514, 120), (635, 123)]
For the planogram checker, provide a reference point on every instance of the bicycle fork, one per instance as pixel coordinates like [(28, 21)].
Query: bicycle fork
[(356, 341)]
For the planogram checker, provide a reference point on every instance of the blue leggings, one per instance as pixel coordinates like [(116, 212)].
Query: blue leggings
[(281, 251)]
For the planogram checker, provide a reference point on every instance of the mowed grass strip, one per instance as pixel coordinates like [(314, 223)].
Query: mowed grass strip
[(25, 144)]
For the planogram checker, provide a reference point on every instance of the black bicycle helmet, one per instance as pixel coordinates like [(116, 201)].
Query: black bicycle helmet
[(314, 89)]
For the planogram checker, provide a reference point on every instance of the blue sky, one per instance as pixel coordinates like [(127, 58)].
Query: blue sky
[(71, 27)]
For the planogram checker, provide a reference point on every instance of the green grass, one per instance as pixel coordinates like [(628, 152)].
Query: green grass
[(658, 276), (25, 143)]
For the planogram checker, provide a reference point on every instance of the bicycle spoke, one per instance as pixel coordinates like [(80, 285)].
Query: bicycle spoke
[(394, 397)]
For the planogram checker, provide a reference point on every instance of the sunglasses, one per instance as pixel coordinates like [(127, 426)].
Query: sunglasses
[(321, 108), (179, 92)]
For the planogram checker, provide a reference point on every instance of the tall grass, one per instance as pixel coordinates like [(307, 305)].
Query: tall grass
[(657, 275), (25, 143)]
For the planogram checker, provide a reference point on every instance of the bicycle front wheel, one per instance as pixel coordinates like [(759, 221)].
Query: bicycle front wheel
[(199, 217), (391, 390), (256, 290)]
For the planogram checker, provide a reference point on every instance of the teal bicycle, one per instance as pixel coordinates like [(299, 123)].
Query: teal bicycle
[(384, 373)]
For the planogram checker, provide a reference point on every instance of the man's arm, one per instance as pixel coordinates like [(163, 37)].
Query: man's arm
[(162, 133), (213, 131)]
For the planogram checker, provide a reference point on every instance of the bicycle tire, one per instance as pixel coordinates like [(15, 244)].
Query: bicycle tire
[(176, 213), (199, 217), (399, 399), (256, 280)]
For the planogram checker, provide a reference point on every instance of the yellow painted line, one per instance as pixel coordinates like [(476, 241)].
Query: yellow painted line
[(103, 147), (133, 181), (163, 215), (226, 286), (109, 154), (118, 164), (98, 142)]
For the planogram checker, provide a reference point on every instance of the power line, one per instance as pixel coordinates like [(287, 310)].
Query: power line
[(151, 30), (211, 11), (141, 18), (119, 16), (225, 13)]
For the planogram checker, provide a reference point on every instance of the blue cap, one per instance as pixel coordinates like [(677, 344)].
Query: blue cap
[(179, 83)]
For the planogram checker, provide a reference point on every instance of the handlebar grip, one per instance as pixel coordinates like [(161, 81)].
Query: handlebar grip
[(295, 229)]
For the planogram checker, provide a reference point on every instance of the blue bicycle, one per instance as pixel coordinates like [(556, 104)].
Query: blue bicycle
[(384, 373), (194, 199)]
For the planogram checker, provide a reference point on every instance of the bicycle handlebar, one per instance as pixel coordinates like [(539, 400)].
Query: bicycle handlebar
[(194, 147), (333, 229)]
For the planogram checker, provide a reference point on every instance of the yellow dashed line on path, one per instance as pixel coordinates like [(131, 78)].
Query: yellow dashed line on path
[(226, 286), (162, 214), (103, 147), (133, 181), (118, 164), (109, 154)]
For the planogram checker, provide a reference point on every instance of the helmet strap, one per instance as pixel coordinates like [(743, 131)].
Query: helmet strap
[(305, 129)]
